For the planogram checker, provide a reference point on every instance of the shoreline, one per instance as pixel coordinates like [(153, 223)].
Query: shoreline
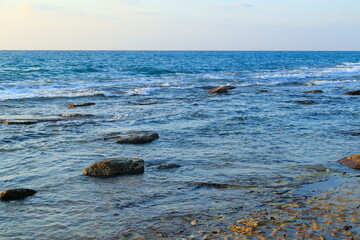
[(328, 209)]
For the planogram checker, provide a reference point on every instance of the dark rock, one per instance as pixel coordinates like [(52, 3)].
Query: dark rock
[(262, 90), (221, 89), (80, 104), (352, 161), (16, 194), (306, 102), (168, 166), (314, 91), (133, 137), (115, 166), (357, 92), (26, 121), (74, 115), (17, 122)]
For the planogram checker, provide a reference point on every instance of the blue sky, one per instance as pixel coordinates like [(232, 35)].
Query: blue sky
[(180, 24)]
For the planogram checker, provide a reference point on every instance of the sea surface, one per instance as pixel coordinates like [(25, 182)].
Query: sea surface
[(260, 140)]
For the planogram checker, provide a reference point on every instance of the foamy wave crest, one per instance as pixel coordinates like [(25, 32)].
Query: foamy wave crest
[(328, 82), (141, 91), (23, 92), (346, 67)]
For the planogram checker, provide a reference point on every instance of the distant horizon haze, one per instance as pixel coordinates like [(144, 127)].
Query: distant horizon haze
[(180, 25)]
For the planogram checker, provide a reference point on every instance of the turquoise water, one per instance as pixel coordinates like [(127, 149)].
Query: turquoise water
[(258, 137)]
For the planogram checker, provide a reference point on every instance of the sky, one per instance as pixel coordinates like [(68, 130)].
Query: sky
[(180, 25)]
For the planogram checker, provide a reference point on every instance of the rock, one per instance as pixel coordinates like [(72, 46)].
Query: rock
[(221, 89), (357, 92), (80, 104), (74, 115), (306, 102), (115, 166), (168, 166), (16, 194), (15, 122), (352, 161), (314, 91), (26, 121), (133, 137)]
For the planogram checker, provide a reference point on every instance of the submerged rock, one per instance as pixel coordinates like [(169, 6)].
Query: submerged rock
[(357, 92), (80, 104), (16, 194), (26, 121), (221, 89), (306, 102), (314, 91), (74, 115), (352, 161), (133, 137), (115, 166), (168, 166)]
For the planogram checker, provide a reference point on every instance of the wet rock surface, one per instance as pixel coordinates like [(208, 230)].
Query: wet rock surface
[(80, 104), (221, 89), (168, 166), (26, 121), (132, 137), (115, 166), (16, 194), (357, 92), (314, 91), (352, 161)]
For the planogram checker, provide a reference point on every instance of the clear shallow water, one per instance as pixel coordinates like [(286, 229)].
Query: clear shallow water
[(256, 137)]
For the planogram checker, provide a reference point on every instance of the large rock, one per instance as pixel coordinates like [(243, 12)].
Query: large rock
[(357, 92), (352, 161), (133, 137), (115, 166), (80, 104), (221, 89), (16, 194)]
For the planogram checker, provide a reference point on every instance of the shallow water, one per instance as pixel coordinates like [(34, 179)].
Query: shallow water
[(257, 138)]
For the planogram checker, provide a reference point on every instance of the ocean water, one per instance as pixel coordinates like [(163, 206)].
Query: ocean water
[(260, 138)]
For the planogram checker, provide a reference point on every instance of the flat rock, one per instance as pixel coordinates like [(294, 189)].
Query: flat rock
[(80, 104), (168, 166), (114, 167), (314, 91), (352, 161), (16, 122), (221, 89), (357, 92), (74, 115), (16, 194), (133, 137)]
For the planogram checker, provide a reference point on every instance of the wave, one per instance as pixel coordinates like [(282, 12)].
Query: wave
[(330, 82)]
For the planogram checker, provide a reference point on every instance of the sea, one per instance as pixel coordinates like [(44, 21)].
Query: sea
[(237, 151)]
